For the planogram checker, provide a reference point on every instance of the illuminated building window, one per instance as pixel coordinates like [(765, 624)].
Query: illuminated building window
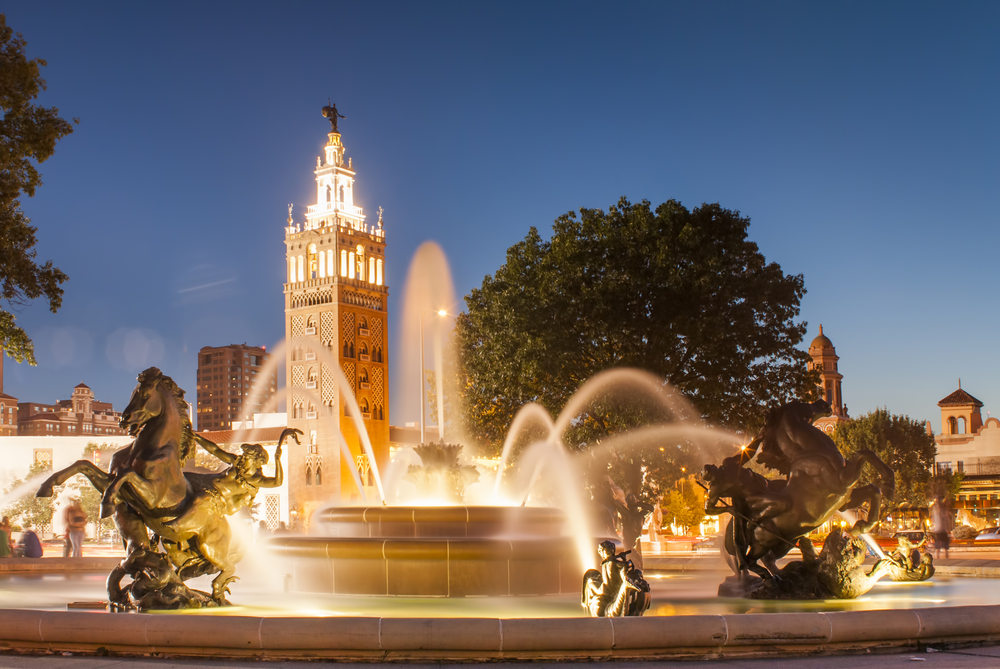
[(322, 265), (378, 272), (343, 263), (312, 261), (302, 269), (309, 476), (361, 262), (350, 265), (319, 476), (291, 270), (329, 263), (371, 270)]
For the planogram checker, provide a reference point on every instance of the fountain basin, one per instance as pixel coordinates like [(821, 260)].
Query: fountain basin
[(440, 521), (440, 551), (470, 639)]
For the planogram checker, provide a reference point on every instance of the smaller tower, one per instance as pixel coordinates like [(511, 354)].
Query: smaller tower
[(960, 414), (824, 360)]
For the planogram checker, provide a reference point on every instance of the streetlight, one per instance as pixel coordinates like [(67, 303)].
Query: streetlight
[(423, 395)]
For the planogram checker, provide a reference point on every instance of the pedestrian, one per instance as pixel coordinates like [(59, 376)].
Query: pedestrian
[(76, 525), (6, 547), (31, 547), (940, 513)]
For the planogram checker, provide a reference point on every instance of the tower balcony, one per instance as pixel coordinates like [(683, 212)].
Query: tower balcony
[(332, 207)]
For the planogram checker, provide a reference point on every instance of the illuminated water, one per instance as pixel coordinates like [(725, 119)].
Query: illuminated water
[(673, 594)]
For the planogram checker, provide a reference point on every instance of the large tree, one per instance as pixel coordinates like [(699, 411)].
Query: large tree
[(683, 294), (28, 136), (901, 442)]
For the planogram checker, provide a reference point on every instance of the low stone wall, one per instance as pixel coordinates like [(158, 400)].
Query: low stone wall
[(470, 639), (57, 565)]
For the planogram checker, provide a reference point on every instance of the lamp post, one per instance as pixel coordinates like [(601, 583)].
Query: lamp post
[(423, 395)]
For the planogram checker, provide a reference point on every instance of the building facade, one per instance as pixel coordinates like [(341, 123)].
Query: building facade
[(233, 383), (8, 407), (970, 446), (336, 334), (824, 360), (79, 416)]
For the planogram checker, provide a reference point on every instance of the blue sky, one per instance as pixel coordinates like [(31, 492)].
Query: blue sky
[(860, 138)]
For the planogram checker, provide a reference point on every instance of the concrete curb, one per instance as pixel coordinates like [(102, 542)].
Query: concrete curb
[(474, 639)]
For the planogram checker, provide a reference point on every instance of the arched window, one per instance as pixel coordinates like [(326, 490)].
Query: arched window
[(309, 476), (311, 375), (378, 272), (961, 426), (341, 193), (311, 322), (351, 350), (363, 374), (363, 405), (313, 268), (302, 269), (329, 263), (319, 476), (371, 270), (361, 262), (952, 425), (329, 194), (347, 350), (291, 270), (343, 263), (363, 348), (350, 265), (363, 323)]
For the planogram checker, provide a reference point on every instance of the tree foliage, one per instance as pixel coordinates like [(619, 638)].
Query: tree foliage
[(28, 136), (29, 510), (683, 294), (901, 442), (684, 505)]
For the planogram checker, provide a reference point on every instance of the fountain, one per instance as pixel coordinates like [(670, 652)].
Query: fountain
[(449, 574)]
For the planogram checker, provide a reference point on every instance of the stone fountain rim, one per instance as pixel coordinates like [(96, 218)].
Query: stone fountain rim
[(514, 639)]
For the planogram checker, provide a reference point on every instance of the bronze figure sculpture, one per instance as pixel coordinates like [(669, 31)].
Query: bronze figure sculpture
[(770, 517), (908, 562), (331, 114), (617, 589), (145, 490)]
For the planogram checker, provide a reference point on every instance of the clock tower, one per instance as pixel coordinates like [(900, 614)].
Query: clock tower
[(335, 318)]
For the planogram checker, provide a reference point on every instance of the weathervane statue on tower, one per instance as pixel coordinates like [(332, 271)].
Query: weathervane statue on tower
[(330, 112)]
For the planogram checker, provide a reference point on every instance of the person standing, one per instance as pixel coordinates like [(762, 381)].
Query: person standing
[(6, 548), (76, 524), (941, 522)]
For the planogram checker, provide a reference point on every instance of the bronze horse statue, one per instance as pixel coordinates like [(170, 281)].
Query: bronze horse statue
[(147, 474), (146, 489), (770, 516)]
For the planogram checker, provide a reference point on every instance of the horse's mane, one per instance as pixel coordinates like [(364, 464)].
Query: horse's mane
[(188, 445)]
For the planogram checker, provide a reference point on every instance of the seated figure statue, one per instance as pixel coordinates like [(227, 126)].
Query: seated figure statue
[(617, 589)]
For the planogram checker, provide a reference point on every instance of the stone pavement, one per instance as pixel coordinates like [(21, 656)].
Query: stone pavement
[(967, 658)]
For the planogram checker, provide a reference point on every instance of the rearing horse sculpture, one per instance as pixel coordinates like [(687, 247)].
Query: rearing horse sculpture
[(146, 475), (769, 517)]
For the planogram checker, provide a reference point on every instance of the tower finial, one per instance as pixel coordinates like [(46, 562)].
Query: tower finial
[(289, 214), (380, 217), (821, 328), (960, 383)]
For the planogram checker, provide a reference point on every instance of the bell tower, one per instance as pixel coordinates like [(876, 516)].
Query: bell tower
[(824, 360), (335, 318)]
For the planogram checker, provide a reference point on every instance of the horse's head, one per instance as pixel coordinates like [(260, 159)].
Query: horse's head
[(145, 403)]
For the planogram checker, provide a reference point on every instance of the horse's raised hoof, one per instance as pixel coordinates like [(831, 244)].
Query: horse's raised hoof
[(107, 509), (44, 490)]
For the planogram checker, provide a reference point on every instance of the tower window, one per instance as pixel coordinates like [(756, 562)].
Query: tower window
[(329, 263), (301, 269), (378, 272), (371, 270), (291, 270), (350, 265), (343, 263)]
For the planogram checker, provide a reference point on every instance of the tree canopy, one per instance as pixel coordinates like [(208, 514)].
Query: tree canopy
[(901, 442), (28, 136), (682, 294)]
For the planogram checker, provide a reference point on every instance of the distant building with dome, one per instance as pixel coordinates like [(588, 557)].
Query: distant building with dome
[(824, 360)]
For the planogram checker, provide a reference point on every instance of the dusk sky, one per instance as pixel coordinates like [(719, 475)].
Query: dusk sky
[(860, 138)]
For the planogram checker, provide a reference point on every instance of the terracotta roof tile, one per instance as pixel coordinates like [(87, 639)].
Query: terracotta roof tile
[(959, 397)]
